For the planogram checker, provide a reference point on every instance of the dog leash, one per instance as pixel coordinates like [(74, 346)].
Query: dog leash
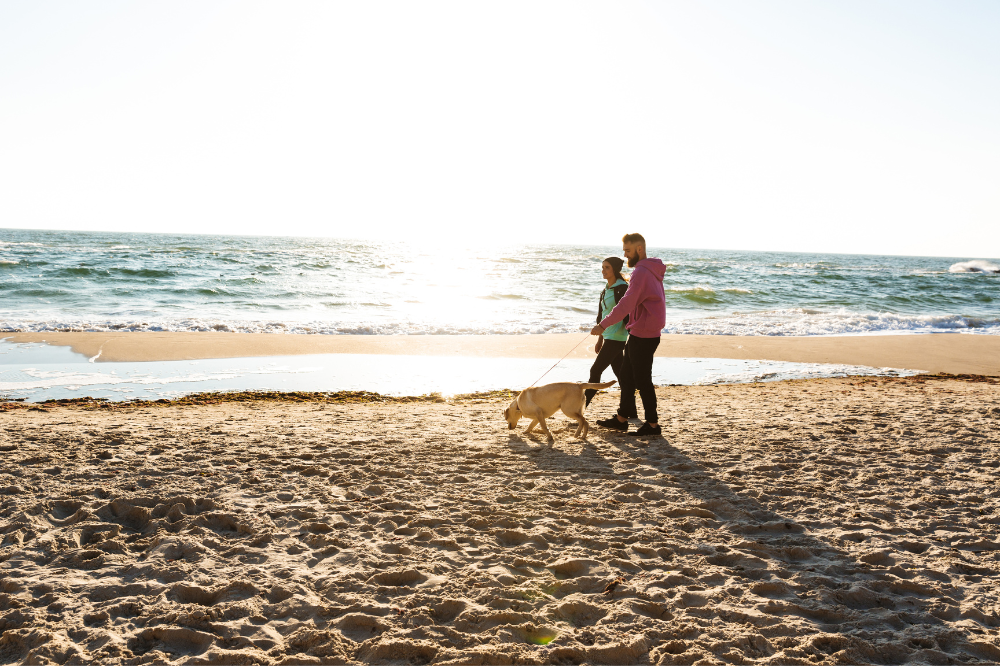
[(559, 361)]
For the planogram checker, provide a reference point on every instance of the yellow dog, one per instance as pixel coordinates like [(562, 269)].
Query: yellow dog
[(540, 402)]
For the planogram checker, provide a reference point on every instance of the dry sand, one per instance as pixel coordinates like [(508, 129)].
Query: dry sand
[(808, 522), (953, 353)]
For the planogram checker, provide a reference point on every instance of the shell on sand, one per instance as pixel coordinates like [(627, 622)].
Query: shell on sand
[(812, 522)]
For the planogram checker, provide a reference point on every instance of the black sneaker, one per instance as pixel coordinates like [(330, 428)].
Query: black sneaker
[(613, 423), (647, 431)]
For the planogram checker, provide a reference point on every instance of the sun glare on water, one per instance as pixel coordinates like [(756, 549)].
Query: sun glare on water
[(451, 286)]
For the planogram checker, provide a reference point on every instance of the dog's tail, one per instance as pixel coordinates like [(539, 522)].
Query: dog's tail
[(597, 386)]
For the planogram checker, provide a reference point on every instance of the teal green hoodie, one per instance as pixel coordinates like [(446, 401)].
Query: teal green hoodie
[(615, 331)]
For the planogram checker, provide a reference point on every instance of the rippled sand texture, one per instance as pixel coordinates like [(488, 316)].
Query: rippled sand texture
[(812, 522)]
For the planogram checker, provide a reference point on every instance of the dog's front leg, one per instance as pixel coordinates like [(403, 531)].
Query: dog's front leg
[(545, 429), (531, 426)]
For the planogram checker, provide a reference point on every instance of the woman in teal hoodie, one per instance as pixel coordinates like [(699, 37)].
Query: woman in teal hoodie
[(611, 344)]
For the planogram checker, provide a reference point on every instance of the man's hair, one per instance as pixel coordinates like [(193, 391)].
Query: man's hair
[(634, 238)]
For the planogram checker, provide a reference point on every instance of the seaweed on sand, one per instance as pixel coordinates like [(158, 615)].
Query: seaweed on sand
[(221, 397)]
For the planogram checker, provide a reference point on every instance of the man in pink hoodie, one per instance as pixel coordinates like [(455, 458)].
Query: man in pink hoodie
[(645, 305)]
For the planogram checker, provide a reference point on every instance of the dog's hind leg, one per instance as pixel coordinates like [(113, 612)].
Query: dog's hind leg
[(583, 427)]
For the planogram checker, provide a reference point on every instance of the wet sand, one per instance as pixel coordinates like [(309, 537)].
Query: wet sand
[(807, 522), (952, 353)]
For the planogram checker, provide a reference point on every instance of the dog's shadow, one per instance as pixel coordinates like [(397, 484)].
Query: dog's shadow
[(523, 443), (582, 455), (537, 442)]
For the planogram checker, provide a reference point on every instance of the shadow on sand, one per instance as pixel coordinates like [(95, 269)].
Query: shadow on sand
[(741, 562)]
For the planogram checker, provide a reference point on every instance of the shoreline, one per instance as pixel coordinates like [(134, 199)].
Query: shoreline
[(953, 353)]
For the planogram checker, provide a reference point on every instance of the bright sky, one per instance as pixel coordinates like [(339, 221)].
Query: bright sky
[(838, 126)]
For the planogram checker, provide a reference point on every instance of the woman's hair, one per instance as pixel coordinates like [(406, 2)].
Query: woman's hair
[(616, 265)]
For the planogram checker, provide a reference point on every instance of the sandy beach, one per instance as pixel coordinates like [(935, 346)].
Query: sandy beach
[(951, 353), (806, 522), (272, 273)]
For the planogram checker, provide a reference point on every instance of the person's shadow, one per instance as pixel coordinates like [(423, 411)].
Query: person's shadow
[(734, 560)]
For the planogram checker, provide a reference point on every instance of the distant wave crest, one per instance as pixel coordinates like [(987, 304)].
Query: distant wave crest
[(974, 266)]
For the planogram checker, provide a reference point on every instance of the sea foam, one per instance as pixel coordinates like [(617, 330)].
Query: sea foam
[(974, 266), (801, 322), (787, 322)]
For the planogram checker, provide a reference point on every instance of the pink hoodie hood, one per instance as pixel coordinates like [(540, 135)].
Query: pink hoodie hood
[(644, 301)]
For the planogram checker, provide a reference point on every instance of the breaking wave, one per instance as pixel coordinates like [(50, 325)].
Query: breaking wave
[(974, 266), (787, 322)]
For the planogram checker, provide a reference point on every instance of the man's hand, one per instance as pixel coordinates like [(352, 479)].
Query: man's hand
[(597, 330), (597, 347)]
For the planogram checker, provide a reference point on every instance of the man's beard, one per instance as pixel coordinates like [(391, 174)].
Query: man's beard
[(633, 260)]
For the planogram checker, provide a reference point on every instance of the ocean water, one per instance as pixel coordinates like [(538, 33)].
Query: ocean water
[(37, 372), (69, 281)]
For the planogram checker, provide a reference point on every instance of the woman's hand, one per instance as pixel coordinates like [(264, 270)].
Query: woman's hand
[(600, 343)]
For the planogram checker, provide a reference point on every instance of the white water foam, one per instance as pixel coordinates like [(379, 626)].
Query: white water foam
[(801, 322), (209, 325), (776, 371), (788, 322), (974, 266)]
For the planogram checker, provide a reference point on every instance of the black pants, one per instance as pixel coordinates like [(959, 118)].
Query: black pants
[(610, 354), (637, 373)]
